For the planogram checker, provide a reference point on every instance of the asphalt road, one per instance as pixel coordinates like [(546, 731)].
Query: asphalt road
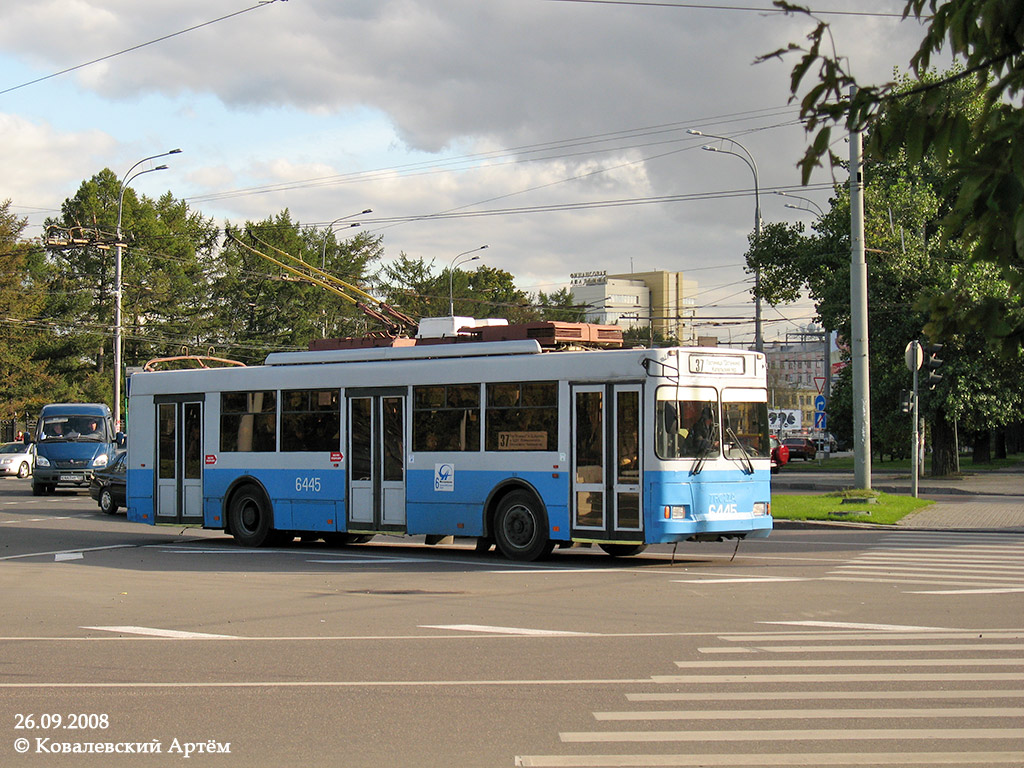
[(815, 647)]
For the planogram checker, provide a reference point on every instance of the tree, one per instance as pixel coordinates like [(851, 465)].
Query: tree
[(905, 201), (262, 306), (979, 151), (559, 306), (412, 286), (27, 379), (167, 255)]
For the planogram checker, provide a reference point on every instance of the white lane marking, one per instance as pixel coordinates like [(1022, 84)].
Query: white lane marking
[(68, 551), (741, 580), (900, 648), (809, 714), (859, 734), (912, 580), (832, 679), (505, 630), (761, 760), (831, 663), (974, 575), (331, 683), (168, 633), (798, 637), (855, 625), (994, 591), (374, 561), (64, 556), (808, 695)]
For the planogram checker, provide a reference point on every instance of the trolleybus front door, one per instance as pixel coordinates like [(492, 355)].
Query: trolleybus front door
[(376, 460), (607, 463), (179, 484)]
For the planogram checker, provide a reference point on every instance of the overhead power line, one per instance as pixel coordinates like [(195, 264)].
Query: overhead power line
[(139, 46), (748, 9)]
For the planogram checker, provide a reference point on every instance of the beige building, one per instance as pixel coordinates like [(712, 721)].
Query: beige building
[(796, 375), (663, 302)]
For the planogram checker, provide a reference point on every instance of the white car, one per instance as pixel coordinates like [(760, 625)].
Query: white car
[(16, 459)]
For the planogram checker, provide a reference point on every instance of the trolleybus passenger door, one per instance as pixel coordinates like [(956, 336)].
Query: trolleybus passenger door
[(179, 484), (607, 465), (376, 460)]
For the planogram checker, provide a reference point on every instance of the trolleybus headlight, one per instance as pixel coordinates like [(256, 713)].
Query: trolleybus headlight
[(676, 513), (762, 508)]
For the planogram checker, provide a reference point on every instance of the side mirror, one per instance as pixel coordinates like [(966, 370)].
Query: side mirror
[(121, 439)]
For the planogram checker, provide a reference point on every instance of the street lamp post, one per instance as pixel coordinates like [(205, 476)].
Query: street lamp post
[(749, 160), (117, 277), (451, 272), (818, 208), (330, 230)]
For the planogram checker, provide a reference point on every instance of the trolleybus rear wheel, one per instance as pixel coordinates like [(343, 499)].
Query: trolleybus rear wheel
[(251, 519), (521, 528)]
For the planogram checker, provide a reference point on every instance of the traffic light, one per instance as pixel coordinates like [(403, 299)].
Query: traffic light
[(933, 362), (906, 401)]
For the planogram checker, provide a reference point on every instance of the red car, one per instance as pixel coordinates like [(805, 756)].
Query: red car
[(780, 454), (800, 448)]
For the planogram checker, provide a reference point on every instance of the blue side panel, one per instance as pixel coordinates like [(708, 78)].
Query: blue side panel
[(140, 496), (304, 500), (456, 507), (716, 502)]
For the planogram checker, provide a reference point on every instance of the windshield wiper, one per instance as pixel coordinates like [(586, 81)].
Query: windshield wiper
[(748, 467), (701, 457)]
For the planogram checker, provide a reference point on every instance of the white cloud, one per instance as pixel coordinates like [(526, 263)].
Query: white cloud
[(316, 94)]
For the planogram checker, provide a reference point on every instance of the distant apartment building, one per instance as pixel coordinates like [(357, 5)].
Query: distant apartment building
[(796, 374), (659, 301)]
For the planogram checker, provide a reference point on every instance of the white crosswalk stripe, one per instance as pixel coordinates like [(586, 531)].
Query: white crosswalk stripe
[(955, 700), (937, 563)]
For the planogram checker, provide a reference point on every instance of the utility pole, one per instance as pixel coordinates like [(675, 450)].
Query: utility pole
[(859, 319), (914, 357)]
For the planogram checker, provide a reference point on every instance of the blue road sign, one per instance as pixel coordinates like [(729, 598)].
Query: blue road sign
[(819, 403)]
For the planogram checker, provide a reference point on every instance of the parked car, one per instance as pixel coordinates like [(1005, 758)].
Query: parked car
[(16, 459), (800, 448), (108, 485), (780, 454)]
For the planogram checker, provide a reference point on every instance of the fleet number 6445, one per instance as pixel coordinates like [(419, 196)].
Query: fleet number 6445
[(307, 484)]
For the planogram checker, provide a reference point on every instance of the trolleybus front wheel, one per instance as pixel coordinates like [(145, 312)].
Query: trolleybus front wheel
[(520, 527)]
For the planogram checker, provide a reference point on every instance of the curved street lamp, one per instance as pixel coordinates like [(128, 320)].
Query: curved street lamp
[(330, 230), (821, 212), (117, 277), (747, 158), (451, 272)]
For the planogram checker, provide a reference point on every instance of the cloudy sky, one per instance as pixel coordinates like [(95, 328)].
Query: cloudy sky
[(553, 131)]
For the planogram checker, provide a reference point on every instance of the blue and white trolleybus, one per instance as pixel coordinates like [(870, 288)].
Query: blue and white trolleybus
[(501, 441)]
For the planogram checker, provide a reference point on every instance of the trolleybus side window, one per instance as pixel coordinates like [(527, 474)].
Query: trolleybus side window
[(248, 421), (687, 423), (310, 420), (446, 418), (522, 416), (746, 422)]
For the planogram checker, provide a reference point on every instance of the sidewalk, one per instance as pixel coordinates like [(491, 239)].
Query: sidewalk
[(977, 501)]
